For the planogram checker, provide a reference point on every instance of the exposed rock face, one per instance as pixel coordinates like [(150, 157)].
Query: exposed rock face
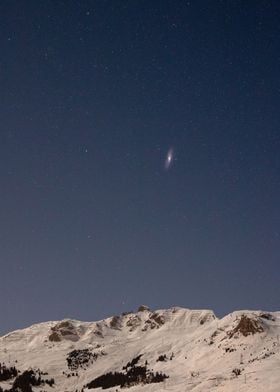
[(144, 308), (133, 322), (63, 330), (155, 321), (55, 337), (247, 326), (206, 318), (267, 316), (116, 322)]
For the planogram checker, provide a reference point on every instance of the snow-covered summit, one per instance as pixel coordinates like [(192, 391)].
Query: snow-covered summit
[(175, 349)]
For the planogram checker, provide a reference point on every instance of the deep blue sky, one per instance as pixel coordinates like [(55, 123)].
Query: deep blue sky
[(93, 95)]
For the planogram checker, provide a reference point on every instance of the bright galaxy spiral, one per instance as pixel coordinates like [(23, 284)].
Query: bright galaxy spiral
[(169, 158)]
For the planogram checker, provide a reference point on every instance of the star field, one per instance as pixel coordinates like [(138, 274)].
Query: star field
[(98, 99)]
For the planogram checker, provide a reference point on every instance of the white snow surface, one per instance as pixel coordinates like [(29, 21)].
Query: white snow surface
[(201, 350)]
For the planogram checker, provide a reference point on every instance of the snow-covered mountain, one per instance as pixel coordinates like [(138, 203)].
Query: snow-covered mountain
[(166, 350)]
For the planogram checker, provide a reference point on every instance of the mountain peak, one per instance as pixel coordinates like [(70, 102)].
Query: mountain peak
[(177, 347)]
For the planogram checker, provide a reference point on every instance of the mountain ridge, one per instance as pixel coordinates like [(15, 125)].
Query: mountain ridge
[(178, 349)]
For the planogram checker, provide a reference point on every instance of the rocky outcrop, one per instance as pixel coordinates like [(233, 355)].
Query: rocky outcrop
[(144, 308), (63, 330), (247, 326)]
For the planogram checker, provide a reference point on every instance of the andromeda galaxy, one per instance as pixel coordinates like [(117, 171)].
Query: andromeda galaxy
[(169, 158)]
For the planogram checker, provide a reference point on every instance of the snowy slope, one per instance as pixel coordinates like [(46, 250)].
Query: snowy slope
[(196, 350)]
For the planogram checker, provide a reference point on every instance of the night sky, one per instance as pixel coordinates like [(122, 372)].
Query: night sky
[(140, 157)]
